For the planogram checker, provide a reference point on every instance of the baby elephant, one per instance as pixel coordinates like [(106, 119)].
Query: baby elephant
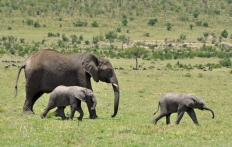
[(63, 96), (172, 102)]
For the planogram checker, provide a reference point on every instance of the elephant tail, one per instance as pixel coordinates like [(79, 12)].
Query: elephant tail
[(157, 109), (16, 85)]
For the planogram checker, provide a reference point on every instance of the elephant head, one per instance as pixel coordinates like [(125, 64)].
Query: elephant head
[(101, 69), (193, 101), (86, 95)]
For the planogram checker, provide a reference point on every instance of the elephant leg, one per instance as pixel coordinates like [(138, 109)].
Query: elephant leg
[(60, 112), (92, 113), (179, 117), (30, 101), (158, 117), (49, 107), (193, 116), (73, 109), (168, 119), (79, 109), (35, 98)]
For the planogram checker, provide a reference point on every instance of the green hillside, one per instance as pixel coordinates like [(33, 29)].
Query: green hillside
[(27, 25)]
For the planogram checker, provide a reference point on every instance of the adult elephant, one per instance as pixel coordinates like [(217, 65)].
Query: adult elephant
[(46, 69)]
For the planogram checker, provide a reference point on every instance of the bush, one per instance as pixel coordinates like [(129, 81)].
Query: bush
[(65, 39), (94, 24), (152, 22), (224, 34), (30, 22), (22, 40), (198, 23), (124, 22), (118, 29), (80, 23), (146, 34), (36, 24), (169, 26), (195, 15), (225, 62), (205, 24), (87, 42), (169, 65)]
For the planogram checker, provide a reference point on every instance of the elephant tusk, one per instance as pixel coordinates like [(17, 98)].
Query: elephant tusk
[(115, 85)]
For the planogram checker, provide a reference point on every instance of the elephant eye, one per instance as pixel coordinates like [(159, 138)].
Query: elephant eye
[(109, 70)]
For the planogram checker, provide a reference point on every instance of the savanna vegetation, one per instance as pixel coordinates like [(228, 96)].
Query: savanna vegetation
[(183, 39)]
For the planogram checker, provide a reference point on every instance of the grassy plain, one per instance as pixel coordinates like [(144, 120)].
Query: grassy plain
[(140, 92), (140, 89)]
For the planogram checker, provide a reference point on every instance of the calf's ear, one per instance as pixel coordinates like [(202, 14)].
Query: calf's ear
[(189, 102), (80, 94)]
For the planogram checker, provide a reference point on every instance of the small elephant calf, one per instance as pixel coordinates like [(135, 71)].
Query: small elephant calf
[(63, 96), (180, 103)]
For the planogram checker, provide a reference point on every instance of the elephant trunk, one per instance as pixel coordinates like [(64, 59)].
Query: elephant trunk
[(115, 86), (206, 108)]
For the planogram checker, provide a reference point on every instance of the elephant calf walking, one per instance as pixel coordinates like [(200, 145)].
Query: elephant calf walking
[(180, 103), (63, 96)]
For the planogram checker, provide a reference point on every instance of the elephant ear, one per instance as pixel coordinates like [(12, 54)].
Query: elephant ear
[(80, 94), (91, 67), (189, 101)]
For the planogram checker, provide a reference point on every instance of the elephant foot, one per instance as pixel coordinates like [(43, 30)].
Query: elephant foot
[(79, 118), (42, 116), (93, 116), (28, 112), (65, 118)]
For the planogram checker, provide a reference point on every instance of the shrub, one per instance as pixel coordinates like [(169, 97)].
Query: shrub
[(74, 38), (195, 15), (36, 24), (9, 28), (22, 40), (80, 23), (152, 22), (124, 22), (29, 21), (198, 23), (146, 34), (188, 75), (169, 65), (65, 39), (191, 26), (118, 29), (224, 34), (225, 62), (87, 42), (169, 26), (81, 37), (94, 24), (205, 24)]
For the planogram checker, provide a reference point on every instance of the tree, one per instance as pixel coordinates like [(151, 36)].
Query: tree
[(191, 26), (137, 52), (152, 22), (169, 26), (123, 39), (124, 21), (94, 24), (224, 34), (195, 15), (111, 36)]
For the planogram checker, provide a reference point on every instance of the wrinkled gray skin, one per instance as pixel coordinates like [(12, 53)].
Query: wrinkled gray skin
[(47, 69), (63, 96), (180, 103)]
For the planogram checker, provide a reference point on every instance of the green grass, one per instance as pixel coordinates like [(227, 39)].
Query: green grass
[(140, 90), (140, 93)]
